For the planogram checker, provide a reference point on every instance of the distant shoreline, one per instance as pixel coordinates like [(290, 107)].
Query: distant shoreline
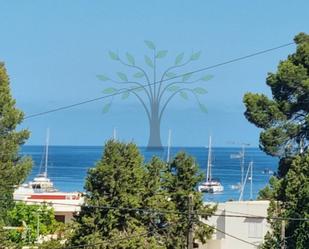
[(143, 147)]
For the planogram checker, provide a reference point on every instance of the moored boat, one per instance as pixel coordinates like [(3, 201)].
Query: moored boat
[(211, 185), (41, 190)]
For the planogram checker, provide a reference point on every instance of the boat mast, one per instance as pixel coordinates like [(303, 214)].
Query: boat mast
[(46, 155), (114, 134), (250, 168), (242, 165), (208, 173), (168, 146), (251, 179)]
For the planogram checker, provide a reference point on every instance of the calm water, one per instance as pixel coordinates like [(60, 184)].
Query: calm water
[(68, 166)]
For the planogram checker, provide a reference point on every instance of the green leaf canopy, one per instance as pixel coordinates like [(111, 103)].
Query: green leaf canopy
[(130, 59), (150, 45), (179, 59), (139, 75), (184, 95), (109, 90), (196, 56), (14, 167), (287, 113), (148, 61), (199, 90), (122, 76), (161, 54), (113, 55)]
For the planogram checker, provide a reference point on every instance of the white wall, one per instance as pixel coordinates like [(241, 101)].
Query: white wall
[(249, 229)]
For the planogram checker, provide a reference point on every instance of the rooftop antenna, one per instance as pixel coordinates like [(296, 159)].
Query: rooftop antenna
[(46, 155), (168, 145)]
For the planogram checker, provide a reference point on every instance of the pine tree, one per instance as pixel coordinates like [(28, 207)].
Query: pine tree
[(13, 167), (285, 123), (184, 176), (117, 181), (130, 204)]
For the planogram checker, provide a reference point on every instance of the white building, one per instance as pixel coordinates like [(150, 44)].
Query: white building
[(237, 232), (65, 204)]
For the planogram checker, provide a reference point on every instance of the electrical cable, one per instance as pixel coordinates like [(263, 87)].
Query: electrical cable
[(232, 236), (157, 211), (118, 240), (157, 82)]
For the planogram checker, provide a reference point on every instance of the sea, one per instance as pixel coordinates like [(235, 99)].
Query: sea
[(68, 166)]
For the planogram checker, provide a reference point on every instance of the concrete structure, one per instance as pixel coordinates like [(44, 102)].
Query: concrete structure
[(251, 230), (65, 205)]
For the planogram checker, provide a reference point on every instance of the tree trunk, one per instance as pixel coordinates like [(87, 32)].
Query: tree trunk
[(154, 141)]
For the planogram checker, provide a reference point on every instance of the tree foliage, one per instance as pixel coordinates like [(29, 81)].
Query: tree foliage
[(116, 181), (13, 167), (285, 123), (130, 204), (52, 244), (289, 198), (31, 216), (284, 118), (155, 89), (182, 182)]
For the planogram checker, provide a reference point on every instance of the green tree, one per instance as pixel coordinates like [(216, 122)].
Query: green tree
[(52, 244), (117, 181), (13, 167), (157, 197), (284, 120), (149, 87), (130, 204), (289, 198), (181, 183), (31, 216)]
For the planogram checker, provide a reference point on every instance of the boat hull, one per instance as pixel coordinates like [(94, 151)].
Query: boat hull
[(210, 188)]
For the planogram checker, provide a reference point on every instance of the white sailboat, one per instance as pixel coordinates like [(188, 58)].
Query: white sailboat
[(41, 183), (211, 185), (41, 188)]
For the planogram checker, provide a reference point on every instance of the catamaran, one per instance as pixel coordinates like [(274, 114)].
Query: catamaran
[(211, 185), (42, 188)]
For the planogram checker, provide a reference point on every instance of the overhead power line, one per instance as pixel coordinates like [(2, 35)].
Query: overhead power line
[(233, 236), (93, 245), (160, 211), (158, 82)]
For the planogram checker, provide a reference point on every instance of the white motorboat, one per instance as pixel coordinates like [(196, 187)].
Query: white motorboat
[(211, 185)]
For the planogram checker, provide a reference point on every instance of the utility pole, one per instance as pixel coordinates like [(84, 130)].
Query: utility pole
[(190, 225), (283, 234)]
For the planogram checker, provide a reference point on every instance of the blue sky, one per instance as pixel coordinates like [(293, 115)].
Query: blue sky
[(53, 51)]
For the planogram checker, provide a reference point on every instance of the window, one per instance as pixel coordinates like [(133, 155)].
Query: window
[(255, 228), (60, 218)]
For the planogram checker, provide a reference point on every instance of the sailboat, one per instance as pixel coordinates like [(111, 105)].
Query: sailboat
[(41, 183), (41, 188), (211, 185)]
